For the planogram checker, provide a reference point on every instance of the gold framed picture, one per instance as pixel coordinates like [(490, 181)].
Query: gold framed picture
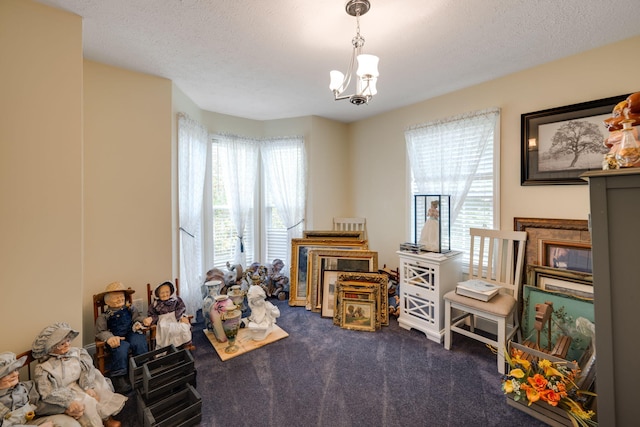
[(359, 292), (299, 263), (333, 234), (376, 280), (336, 260), (358, 314)]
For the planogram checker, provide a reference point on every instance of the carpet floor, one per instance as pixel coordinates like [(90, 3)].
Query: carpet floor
[(322, 375)]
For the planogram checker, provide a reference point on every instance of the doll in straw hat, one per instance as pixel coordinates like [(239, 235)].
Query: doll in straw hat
[(120, 326), (19, 399)]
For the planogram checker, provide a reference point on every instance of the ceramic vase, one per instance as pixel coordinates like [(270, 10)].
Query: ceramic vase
[(217, 312), (231, 325), (213, 289)]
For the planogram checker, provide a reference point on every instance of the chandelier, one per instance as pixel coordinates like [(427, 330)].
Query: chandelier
[(367, 72)]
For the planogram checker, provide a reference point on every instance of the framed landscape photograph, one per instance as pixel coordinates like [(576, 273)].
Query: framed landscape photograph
[(358, 292), (559, 144), (337, 260), (299, 275), (377, 281), (358, 314)]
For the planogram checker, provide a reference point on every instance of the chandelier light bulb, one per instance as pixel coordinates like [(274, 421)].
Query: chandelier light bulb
[(336, 80), (367, 65)]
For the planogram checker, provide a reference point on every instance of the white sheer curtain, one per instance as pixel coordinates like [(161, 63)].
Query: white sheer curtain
[(444, 155), (192, 157), (240, 155), (285, 165)]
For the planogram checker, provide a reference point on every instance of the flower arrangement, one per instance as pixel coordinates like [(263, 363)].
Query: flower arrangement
[(550, 382)]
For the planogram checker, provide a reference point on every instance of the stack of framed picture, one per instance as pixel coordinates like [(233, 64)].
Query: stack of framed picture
[(559, 271), (361, 301), (320, 260)]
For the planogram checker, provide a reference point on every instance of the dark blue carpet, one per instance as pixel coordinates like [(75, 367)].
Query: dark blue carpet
[(322, 375)]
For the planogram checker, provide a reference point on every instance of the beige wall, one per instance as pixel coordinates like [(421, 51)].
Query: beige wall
[(127, 182), (40, 171), (126, 170), (380, 165)]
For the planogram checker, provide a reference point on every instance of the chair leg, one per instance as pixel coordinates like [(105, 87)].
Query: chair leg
[(501, 340), (447, 325)]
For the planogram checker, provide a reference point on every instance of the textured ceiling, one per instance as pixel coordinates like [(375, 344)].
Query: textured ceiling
[(270, 59)]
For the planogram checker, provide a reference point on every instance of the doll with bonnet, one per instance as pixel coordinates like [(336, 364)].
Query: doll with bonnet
[(19, 399), (167, 311), (68, 382)]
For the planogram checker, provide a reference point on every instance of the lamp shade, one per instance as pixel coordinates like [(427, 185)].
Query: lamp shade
[(337, 78), (367, 65)]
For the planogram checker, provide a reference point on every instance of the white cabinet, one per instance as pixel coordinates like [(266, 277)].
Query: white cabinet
[(424, 279)]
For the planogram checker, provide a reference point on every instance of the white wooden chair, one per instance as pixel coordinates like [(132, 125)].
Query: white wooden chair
[(351, 224), (496, 257)]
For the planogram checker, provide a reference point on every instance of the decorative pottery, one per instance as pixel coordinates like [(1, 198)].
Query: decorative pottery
[(231, 324), (237, 296), (213, 289), (217, 313)]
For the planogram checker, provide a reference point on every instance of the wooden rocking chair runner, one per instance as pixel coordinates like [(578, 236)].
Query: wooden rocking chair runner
[(101, 355), (497, 257)]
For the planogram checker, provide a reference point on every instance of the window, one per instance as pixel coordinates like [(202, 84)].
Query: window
[(248, 178), (458, 157)]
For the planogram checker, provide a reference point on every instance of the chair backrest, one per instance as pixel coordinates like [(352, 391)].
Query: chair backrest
[(350, 224), (497, 256)]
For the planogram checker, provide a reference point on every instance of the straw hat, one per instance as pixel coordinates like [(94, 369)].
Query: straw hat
[(8, 363), (49, 337), (115, 287)]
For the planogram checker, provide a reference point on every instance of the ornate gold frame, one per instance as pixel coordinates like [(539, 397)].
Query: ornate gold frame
[(317, 259), (299, 263), (347, 322), (333, 234), (367, 280)]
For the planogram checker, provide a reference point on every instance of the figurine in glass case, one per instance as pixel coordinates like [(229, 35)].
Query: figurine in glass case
[(430, 235)]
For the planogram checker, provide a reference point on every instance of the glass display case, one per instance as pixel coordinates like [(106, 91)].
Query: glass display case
[(432, 222)]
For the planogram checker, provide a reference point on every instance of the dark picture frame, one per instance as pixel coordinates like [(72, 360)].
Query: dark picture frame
[(539, 166), (547, 229), (566, 255)]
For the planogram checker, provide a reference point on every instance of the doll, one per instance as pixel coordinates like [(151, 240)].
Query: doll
[(67, 380), (19, 399), (278, 282), (121, 328), (167, 311), (430, 235)]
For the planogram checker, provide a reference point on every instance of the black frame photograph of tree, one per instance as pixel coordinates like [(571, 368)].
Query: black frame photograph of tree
[(559, 144)]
